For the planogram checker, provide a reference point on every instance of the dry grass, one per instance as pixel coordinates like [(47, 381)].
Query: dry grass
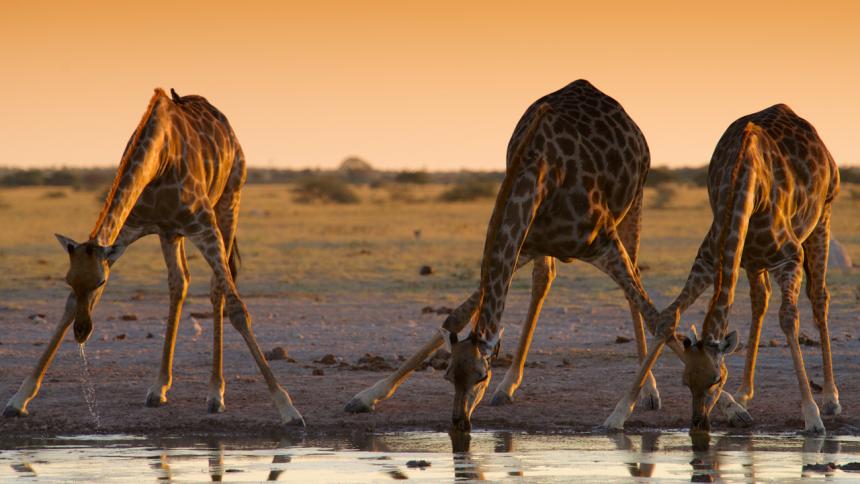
[(294, 250)]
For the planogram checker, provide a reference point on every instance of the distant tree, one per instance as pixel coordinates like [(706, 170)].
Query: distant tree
[(324, 188)]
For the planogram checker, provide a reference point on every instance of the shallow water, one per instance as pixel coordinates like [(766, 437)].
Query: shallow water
[(494, 456)]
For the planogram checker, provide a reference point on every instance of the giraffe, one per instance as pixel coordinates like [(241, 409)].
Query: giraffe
[(771, 185), (576, 166), (181, 175)]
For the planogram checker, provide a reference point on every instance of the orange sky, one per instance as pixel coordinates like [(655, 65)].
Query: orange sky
[(406, 84)]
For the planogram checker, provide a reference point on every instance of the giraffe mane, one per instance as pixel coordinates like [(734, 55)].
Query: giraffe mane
[(123, 164), (751, 133), (502, 198)]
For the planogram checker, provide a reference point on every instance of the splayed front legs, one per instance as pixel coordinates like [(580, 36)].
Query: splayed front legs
[(17, 405), (542, 276)]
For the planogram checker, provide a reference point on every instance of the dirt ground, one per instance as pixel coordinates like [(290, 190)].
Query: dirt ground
[(576, 372), (347, 288)]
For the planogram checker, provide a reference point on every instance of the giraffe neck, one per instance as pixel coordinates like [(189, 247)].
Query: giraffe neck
[(736, 214), (141, 163)]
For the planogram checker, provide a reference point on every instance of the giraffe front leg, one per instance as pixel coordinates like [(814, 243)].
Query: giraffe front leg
[(542, 276), (173, 250), (17, 405), (366, 400)]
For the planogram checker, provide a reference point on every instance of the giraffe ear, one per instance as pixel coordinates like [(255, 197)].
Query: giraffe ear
[(113, 252), (729, 344), (490, 348), (692, 337), (449, 338), (68, 244)]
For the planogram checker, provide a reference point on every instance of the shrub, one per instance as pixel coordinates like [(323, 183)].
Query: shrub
[(24, 178), (665, 194), (324, 189), (661, 175), (415, 177), (468, 190)]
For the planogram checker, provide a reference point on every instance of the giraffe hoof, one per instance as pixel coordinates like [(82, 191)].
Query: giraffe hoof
[(214, 406), (295, 422), (154, 399), (500, 399), (831, 408), (356, 405), (650, 402), (11, 411), (741, 418)]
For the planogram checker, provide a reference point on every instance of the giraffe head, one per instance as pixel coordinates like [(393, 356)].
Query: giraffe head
[(470, 371), (705, 372), (89, 268)]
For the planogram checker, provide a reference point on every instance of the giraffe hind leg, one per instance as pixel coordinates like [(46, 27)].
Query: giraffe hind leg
[(210, 242), (816, 251)]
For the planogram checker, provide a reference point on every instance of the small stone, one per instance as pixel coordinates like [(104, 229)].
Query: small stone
[(622, 339), (816, 388), (119, 337), (38, 318), (427, 310), (129, 317), (150, 336), (418, 464), (318, 372), (327, 360), (773, 343), (805, 340), (503, 361), (425, 270), (277, 353)]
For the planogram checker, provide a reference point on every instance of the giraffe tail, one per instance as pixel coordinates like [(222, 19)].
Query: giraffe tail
[(234, 259)]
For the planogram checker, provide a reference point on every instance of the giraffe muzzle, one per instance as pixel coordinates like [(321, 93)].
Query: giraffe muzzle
[(83, 329)]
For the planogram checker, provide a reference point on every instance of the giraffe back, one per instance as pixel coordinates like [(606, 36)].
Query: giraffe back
[(795, 177), (597, 160)]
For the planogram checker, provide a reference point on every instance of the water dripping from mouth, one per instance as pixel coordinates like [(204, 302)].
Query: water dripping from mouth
[(88, 389)]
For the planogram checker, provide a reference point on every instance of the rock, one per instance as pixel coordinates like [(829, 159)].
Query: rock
[(773, 343), (503, 361), (150, 336), (318, 372), (119, 337), (439, 360), (418, 464), (838, 258), (622, 339), (805, 340), (565, 363), (327, 360), (38, 318), (371, 362), (829, 467), (427, 310), (816, 388), (425, 270), (129, 317), (198, 330), (277, 353)]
